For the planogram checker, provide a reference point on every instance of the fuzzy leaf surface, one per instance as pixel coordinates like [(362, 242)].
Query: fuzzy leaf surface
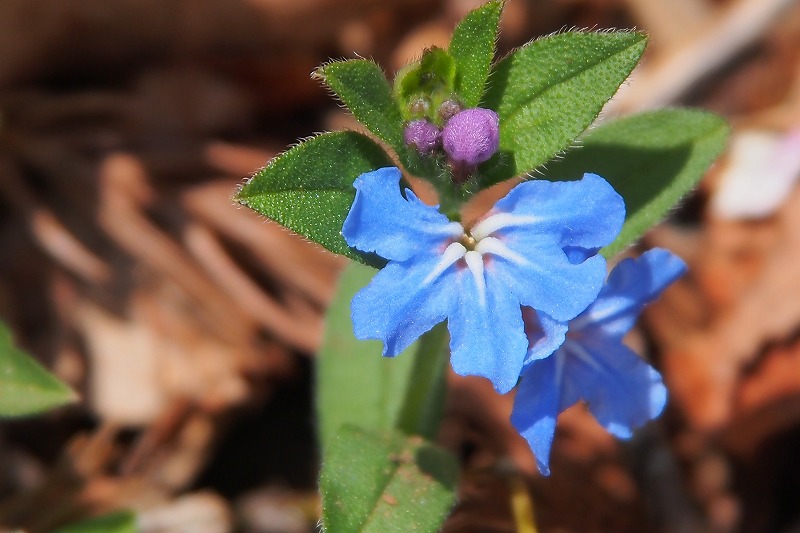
[(309, 188), (473, 47), (362, 87), (550, 90), (652, 159), (385, 483)]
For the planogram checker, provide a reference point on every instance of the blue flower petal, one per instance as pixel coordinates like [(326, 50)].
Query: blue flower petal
[(623, 391), (632, 284), (545, 334), (536, 408), (487, 335), (586, 214), (550, 283), (399, 304), (395, 228), (551, 231)]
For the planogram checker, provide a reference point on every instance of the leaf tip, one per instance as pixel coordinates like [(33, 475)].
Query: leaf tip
[(318, 74)]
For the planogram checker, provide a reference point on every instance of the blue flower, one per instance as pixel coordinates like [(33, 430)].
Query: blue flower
[(622, 391), (536, 247)]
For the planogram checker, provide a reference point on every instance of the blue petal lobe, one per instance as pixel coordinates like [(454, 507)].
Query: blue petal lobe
[(622, 390), (550, 283), (544, 334), (632, 284), (536, 408), (382, 221), (553, 230), (398, 305), (487, 338), (587, 213)]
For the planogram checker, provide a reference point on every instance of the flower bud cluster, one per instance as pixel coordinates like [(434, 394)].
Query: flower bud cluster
[(469, 137)]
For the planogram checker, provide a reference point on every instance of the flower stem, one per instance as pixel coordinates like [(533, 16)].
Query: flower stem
[(423, 404)]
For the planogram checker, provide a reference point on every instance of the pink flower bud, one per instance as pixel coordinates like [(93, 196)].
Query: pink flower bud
[(422, 135), (472, 136)]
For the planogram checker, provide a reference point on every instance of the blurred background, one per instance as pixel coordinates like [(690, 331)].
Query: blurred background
[(189, 325)]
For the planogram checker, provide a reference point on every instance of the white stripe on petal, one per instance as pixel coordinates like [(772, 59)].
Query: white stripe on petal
[(491, 245), (593, 316), (452, 253), (453, 229), (490, 224), (474, 261)]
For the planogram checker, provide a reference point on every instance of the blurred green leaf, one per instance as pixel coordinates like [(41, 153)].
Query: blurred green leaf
[(121, 522), (550, 90), (309, 189), (26, 388), (473, 47), (385, 483), (652, 160), (357, 385)]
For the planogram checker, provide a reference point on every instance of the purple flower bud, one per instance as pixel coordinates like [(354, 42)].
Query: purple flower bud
[(472, 136), (423, 135)]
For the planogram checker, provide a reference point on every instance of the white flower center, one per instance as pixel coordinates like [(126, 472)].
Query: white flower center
[(473, 247)]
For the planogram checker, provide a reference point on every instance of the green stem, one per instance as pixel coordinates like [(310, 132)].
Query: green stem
[(451, 197), (423, 404)]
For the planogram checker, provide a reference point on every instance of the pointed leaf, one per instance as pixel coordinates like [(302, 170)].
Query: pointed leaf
[(652, 160), (121, 522), (550, 90), (362, 87), (357, 385), (26, 388), (385, 483), (472, 46), (309, 189)]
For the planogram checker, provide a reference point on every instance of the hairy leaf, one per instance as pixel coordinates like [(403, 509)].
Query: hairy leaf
[(309, 189), (550, 90), (385, 483), (473, 46), (652, 160)]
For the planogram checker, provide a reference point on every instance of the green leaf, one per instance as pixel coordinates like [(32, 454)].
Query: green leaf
[(309, 189), (385, 483), (121, 522), (426, 386), (550, 90), (26, 388), (431, 79), (356, 384), (652, 160), (362, 87), (472, 46)]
